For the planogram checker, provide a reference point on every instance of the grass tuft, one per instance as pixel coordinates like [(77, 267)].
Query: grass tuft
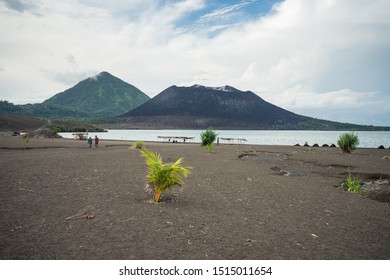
[(348, 142)]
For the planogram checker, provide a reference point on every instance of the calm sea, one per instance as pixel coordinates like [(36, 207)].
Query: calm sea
[(367, 139)]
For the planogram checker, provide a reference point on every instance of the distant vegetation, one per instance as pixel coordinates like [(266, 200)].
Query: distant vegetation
[(64, 128), (23, 123), (26, 140), (138, 144), (207, 139), (348, 142), (41, 111)]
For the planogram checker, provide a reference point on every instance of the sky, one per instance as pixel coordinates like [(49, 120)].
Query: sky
[(327, 59)]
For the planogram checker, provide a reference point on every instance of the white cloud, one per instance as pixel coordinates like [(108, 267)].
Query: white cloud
[(309, 56), (224, 12)]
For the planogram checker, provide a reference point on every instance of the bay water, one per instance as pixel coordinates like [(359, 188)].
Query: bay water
[(367, 139)]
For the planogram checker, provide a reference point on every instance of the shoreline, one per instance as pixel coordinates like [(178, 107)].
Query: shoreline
[(276, 137), (41, 142)]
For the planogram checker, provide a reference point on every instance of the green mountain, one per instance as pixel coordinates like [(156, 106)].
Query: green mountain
[(100, 96)]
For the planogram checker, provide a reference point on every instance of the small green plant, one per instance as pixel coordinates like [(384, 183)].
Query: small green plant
[(26, 140), (348, 142), (138, 145), (209, 147), (207, 138), (354, 185), (162, 177)]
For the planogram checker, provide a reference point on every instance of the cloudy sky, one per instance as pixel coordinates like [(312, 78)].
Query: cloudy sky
[(321, 58)]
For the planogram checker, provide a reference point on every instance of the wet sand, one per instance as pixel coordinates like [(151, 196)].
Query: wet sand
[(61, 200)]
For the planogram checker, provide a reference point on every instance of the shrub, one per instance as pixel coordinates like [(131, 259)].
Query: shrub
[(57, 128), (208, 137), (354, 185), (162, 177), (348, 142), (138, 145), (26, 140), (209, 147)]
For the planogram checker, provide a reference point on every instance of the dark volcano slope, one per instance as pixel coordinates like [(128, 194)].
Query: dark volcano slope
[(199, 106)]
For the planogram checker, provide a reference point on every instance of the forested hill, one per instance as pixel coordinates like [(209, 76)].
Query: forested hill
[(100, 96)]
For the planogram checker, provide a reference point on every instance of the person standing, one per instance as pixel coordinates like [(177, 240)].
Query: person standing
[(90, 142), (96, 141)]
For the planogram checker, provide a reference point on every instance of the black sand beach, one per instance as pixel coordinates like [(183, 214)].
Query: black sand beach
[(61, 200)]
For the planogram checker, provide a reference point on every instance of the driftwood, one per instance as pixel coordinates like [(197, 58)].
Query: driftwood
[(22, 189), (86, 213)]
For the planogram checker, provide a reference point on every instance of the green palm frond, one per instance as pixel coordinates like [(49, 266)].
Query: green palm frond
[(163, 176), (151, 158)]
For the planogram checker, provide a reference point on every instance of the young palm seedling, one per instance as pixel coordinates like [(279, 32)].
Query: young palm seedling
[(354, 185), (162, 177)]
